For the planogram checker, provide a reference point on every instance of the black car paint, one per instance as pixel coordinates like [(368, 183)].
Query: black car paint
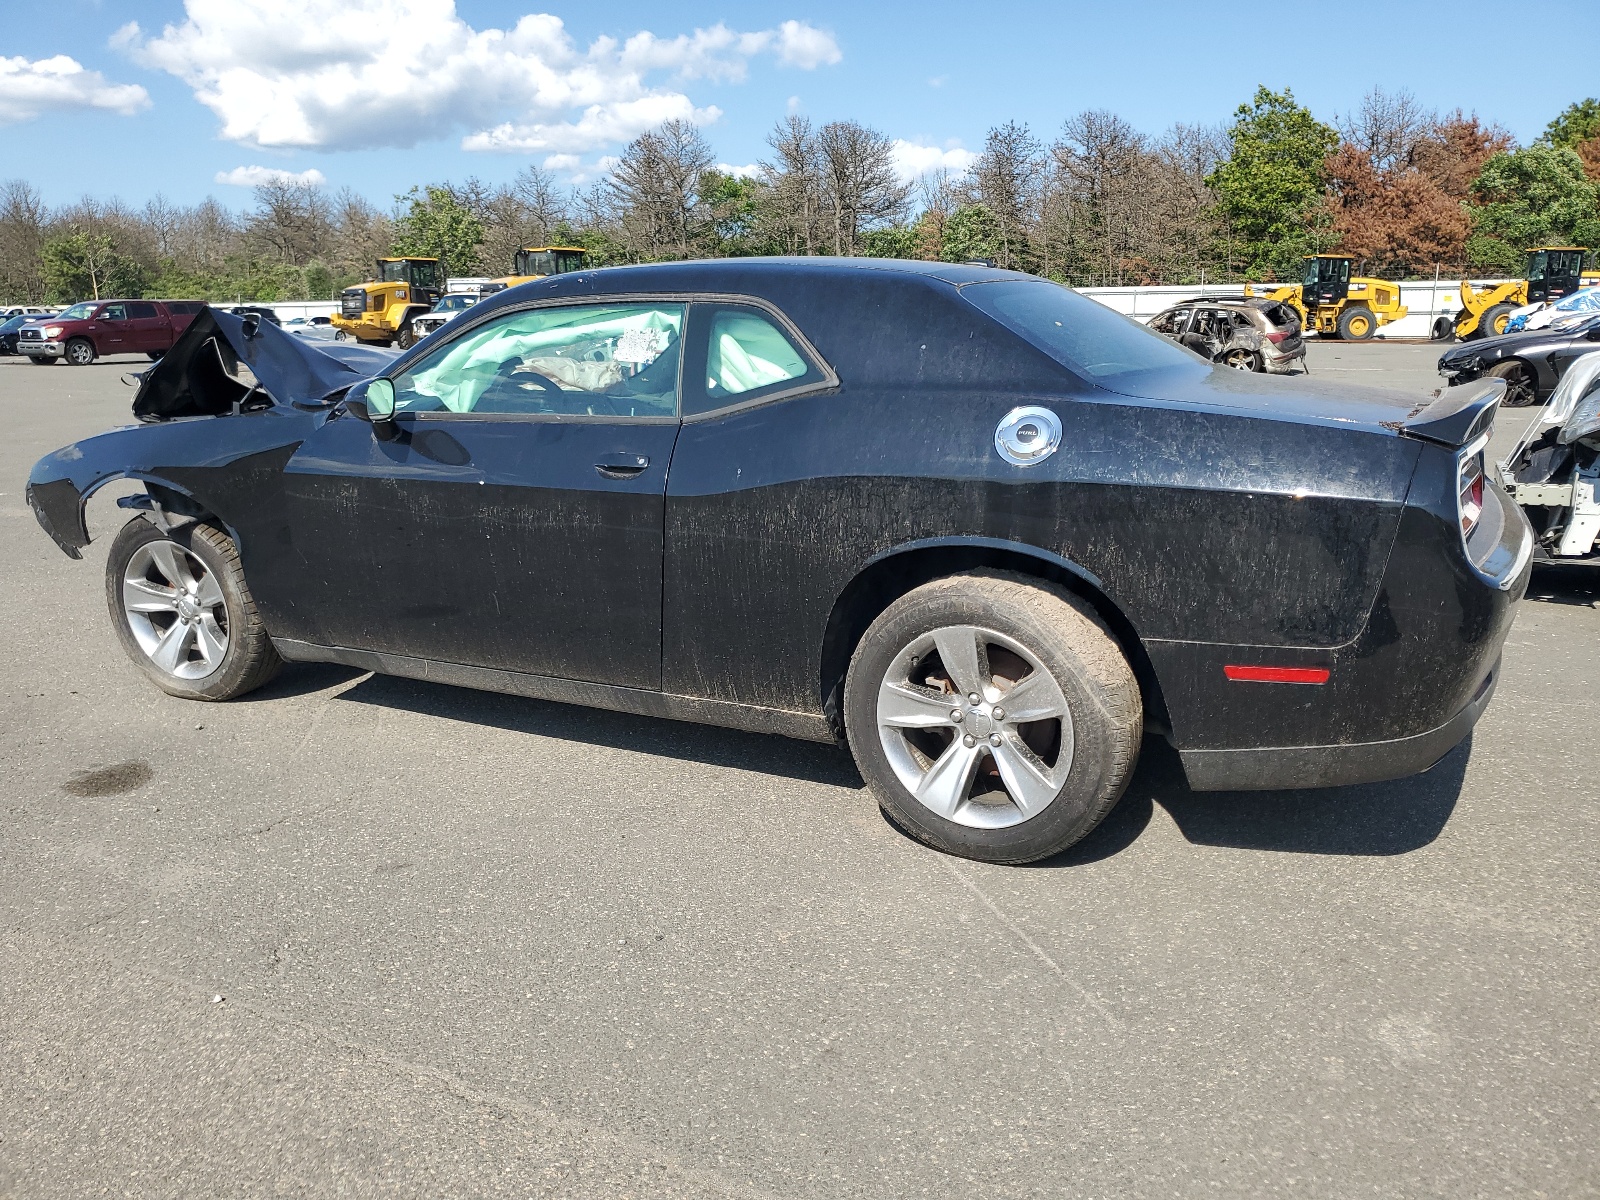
[(1212, 517), (1546, 352)]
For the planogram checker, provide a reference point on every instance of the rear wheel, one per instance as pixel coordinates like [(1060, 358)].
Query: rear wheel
[(1520, 387), (155, 355), (1241, 360), (80, 352), (1493, 322), (407, 337), (993, 715), (1357, 324), (182, 611)]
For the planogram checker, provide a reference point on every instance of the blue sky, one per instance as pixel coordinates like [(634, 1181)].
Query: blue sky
[(234, 87)]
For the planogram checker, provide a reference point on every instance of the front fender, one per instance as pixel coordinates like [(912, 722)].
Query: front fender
[(60, 484)]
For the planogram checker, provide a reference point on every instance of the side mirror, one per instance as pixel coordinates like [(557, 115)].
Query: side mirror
[(373, 400)]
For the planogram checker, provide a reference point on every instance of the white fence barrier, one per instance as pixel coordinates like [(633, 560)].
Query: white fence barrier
[(1425, 301)]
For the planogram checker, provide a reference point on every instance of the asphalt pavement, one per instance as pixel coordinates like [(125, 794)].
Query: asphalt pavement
[(356, 936)]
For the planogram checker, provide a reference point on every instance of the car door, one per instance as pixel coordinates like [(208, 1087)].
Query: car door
[(113, 333), (147, 327), (513, 519)]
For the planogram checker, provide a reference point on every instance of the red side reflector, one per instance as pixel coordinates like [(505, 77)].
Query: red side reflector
[(1276, 674)]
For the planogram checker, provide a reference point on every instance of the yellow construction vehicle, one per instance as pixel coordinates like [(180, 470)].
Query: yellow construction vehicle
[(1333, 304), (535, 262), (1553, 272), (379, 313)]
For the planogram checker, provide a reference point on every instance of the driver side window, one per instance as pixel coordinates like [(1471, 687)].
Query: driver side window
[(602, 360)]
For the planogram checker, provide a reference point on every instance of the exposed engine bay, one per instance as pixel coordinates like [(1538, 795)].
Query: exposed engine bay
[(1554, 472)]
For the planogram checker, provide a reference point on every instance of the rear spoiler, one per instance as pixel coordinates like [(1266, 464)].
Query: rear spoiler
[(1461, 415)]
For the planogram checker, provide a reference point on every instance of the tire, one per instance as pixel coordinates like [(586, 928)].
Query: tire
[(1078, 763), (1357, 324), (1493, 322), (406, 337), (1521, 390), (155, 355), (1444, 330), (1242, 360), (41, 360), (80, 352), (213, 659)]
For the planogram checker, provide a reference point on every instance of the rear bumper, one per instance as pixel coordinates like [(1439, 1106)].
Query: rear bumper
[(1334, 766)]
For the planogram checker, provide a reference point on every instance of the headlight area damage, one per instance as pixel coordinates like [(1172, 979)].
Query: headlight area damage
[(221, 366)]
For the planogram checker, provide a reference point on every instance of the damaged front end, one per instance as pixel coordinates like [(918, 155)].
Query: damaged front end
[(221, 366)]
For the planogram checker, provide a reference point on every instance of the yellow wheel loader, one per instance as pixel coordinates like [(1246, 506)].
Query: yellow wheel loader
[(1333, 304), (1553, 272), (379, 313), (535, 262)]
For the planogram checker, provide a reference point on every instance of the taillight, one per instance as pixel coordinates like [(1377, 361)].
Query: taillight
[(1469, 491), (1275, 338)]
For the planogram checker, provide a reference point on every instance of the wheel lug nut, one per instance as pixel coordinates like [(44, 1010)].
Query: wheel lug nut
[(994, 739), (974, 697), (999, 714), (969, 741), (955, 715)]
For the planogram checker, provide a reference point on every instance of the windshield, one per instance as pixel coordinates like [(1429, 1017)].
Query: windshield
[(14, 323), (1077, 332), (1536, 264), (78, 312), (417, 274), (548, 262), (1310, 278), (454, 303)]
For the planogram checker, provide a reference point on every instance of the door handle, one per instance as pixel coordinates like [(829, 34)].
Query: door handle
[(622, 466)]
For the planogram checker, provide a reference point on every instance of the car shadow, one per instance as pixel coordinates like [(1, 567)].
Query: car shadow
[(1560, 583), (812, 762), (1372, 820)]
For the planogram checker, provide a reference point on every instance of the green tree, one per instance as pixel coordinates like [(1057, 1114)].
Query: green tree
[(437, 225), (1270, 187), (1577, 123), (1536, 196), (735, 207), (79, 265), (893, 241), (971, 232)]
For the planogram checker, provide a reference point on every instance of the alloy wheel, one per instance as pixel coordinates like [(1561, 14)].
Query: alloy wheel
[(176, 610), (975, 727)]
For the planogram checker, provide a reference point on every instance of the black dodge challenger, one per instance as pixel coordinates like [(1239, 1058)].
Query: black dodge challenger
[(976, 527)]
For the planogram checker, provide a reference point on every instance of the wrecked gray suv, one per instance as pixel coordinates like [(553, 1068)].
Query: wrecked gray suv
[(1247, 335)]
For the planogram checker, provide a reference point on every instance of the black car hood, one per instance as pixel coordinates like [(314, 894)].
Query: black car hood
[(199, 375), (1304, 398)]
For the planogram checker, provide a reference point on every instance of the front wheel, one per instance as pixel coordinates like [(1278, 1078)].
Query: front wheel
[(993, 715), (1520, 389), (183, 613), (155, 355), (1357, 325), (1493, 322), (80, 352), (407, 337), (42, 360)]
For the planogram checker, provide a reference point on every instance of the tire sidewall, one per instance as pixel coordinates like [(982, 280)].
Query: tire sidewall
[(222, 683), (1096, 764), (80, 352)]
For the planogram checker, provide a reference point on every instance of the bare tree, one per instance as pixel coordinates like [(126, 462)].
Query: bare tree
[(864, 191), (1009, 183), (795, 199), (1097, 216), (1388, 128), (292, 220), (656, 188), (22, 223)]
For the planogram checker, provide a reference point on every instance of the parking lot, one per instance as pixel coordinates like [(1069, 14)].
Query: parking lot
[(363, 936)]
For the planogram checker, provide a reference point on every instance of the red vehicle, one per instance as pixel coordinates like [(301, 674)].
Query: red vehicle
[(96, 328)]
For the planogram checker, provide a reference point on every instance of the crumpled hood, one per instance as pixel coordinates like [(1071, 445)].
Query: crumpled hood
[(197, 376), (1305, 398)]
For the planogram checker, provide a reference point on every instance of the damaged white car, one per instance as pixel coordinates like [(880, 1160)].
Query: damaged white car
[(1554, 472)]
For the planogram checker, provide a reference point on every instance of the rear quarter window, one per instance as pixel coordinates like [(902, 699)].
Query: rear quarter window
[(1081, 334)]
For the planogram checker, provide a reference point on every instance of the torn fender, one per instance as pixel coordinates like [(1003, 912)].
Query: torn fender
[(60, 484)]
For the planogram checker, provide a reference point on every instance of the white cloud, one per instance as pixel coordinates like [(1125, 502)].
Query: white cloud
[(938, 81), (256, 176), (793, 104), (346, 74), (748, 171), (912, 159), (60, 84)]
